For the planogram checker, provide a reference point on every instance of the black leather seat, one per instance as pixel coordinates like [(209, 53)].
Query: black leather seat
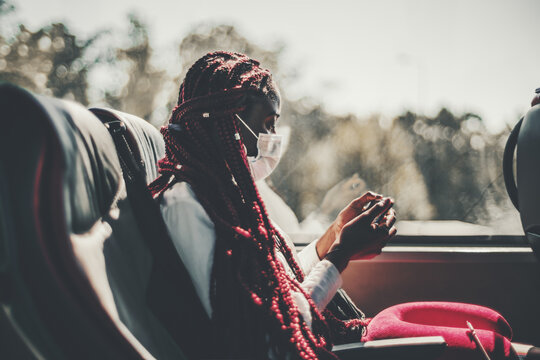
[(525, 193), (524, 140), (171, 295), (75, 269)]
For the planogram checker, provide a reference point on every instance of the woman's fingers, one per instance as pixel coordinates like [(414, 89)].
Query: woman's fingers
[(363, 200), (364, 236), (391, 218), (388, 220), (378, 210)]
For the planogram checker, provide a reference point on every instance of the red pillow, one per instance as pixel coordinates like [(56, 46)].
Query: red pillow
[(448, 320)]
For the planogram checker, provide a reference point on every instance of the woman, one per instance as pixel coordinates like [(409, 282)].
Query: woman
[(263, 299)]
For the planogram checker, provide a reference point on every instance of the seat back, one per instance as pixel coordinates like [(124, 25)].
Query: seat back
[(75, 269), (525, 193), (171, 294), (139, 144)]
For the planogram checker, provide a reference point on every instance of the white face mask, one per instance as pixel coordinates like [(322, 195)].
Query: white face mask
[(268, 156)]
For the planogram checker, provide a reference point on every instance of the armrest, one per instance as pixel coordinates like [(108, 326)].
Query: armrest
[(426, 347), (525, 351)]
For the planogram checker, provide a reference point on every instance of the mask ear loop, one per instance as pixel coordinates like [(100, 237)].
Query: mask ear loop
[(246, 125)]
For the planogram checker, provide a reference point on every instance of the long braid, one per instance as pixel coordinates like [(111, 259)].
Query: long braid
[(251, 292)]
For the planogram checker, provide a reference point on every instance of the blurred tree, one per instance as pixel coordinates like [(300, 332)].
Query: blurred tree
[(459, 161), (138, 95), (49, 61), (297, 178), (207, 38), (6, 7), (382, 157)]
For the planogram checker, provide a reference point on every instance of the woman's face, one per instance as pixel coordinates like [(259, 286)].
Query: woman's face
[(261, 115)]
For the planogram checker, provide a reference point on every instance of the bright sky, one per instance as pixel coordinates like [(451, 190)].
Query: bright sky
[(356, 55)]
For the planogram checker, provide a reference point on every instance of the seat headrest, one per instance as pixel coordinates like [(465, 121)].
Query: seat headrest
[(91, 173), (528, 169), (525, 192), (147, 141)]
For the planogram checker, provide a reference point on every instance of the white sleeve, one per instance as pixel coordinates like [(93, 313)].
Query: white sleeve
[(322, 283), (193, 235), (308, 257), (322, 279)]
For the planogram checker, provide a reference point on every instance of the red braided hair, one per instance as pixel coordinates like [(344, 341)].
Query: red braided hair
[(251, 293)]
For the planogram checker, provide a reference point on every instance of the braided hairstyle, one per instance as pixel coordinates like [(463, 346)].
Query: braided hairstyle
[(254, 314)]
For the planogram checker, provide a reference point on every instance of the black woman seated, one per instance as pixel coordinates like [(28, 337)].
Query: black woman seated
[(263, 299)]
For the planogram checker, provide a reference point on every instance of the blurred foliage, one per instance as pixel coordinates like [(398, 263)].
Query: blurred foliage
[(441, 167), (5, 7), (459, 162), (136, 96), (204, 38), (48, 61)]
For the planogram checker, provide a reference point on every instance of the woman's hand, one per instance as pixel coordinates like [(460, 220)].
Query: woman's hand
[(363, 236), (355, 208)]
